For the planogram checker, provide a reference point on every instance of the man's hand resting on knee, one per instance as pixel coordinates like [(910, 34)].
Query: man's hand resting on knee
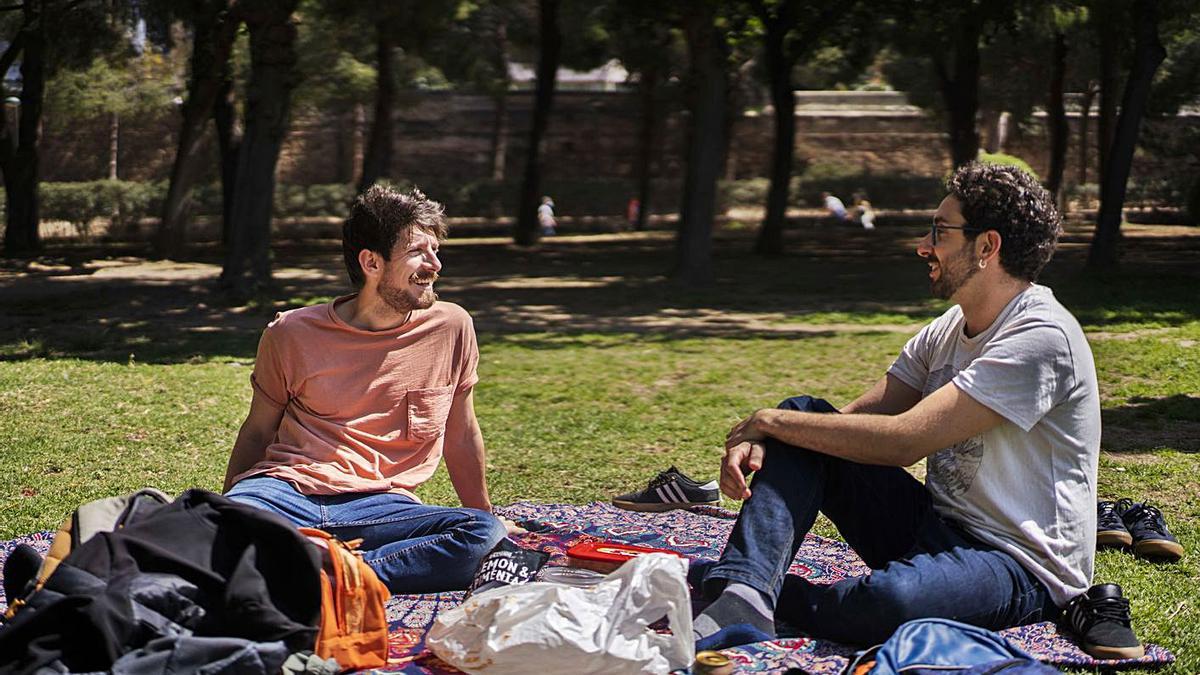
[(740, 459)]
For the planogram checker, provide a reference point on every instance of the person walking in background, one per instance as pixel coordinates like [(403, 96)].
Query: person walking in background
[(545, 214), (863, 213), (632, 211), (835, 207)]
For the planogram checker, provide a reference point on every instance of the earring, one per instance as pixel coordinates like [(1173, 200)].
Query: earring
[(983, 264)]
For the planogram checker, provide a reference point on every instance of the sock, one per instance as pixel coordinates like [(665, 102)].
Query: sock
[(737, 604)]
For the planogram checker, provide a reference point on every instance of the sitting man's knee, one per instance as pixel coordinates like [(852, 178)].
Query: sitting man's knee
[(807, 404)]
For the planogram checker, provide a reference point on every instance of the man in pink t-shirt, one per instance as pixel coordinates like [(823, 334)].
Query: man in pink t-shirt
[(357, 401)]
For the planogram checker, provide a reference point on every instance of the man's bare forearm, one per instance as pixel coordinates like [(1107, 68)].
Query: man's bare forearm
[(862, 438), (467, 464), (247, 450)]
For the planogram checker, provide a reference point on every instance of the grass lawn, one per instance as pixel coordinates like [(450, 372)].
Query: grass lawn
[(596, 371)]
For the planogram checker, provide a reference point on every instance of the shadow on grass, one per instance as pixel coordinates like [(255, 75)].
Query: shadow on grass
[(830, 281), (1146, 424)]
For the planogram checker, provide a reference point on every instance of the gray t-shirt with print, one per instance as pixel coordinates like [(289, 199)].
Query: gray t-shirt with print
[(1027, 486)]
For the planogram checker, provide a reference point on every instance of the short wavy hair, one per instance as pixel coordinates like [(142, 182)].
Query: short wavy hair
[(382, 217), (1006, 199)]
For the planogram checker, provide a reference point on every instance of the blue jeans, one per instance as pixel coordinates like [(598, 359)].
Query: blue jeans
[(922, 565), (413, 548)]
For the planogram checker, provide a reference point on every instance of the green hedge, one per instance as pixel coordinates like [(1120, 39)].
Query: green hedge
[(897, 191), (1007, 160), (81, 203)]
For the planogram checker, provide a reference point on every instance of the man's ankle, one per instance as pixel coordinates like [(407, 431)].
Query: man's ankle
[(738, 604)]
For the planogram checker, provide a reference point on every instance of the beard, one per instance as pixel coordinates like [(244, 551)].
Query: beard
[(404, 301), (953, 273)]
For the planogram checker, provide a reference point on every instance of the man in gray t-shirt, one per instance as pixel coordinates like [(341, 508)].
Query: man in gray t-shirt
[(999, 393)]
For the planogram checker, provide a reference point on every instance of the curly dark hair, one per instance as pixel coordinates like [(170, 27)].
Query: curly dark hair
[(1010, 201), (382, 217)]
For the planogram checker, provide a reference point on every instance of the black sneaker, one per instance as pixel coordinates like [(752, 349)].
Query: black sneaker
[(670, 489), (1151, 537), (1100, 620), (1110, 529)]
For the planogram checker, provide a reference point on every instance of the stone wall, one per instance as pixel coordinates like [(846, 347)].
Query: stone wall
[(445, 138)]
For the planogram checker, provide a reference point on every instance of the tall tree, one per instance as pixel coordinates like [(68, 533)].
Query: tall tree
[(948, 35), (272, 29), (46, 35), (526, 231), (1056, 114), (474, 51), (791, 30), (377, 161), (707, 91), (1148, 54), (641, 37), (399, 29), (209, 87)]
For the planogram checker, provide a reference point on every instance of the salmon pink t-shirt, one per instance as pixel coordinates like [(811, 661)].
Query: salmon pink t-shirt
[(363, 411)]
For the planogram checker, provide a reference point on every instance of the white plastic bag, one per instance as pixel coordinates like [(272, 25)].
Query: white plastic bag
[(554, 628)]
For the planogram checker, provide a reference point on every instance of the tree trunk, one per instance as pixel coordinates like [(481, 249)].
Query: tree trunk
[(500, 100), (229, 143), (114, 144), (1148, 54), (706, 127), (960, 91), (779, 73), (1108, 44), (378, 161), (214, 34), (268, 96), (1085, 115), (21, 168), (499, 135), (1056, 116), (647, 141), (360, 136), (526, 232), (342, 128)]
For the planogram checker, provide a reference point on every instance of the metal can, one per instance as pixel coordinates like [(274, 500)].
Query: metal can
[(712, 663)]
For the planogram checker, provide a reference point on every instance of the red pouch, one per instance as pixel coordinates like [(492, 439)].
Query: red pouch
[(606, 556)]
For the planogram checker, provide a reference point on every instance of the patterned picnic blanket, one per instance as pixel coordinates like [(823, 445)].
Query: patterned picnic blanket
[(699, 533)]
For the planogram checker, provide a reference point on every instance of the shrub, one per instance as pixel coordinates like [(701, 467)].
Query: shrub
[(747, 192), (889, 191), (75, 203), (1007, 160), (125, 202)]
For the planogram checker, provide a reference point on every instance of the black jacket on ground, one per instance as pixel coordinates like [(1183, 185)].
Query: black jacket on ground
[(186, 575)]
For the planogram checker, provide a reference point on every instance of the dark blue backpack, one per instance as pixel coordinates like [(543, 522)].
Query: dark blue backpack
[(929, 646)]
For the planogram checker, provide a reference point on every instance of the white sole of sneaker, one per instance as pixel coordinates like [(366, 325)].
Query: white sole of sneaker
[(659, 507)]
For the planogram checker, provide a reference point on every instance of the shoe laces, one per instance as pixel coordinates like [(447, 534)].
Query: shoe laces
[(662, 478), (1152, 518), (1106, 509), (1108, 609)]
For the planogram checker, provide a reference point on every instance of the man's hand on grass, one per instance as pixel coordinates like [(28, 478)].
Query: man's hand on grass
[(740, 460)]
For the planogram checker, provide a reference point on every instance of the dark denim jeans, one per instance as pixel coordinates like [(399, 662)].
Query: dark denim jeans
[(413, 548), (922, 565)]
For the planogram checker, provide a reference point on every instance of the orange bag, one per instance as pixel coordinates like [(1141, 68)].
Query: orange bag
[(354, 627)]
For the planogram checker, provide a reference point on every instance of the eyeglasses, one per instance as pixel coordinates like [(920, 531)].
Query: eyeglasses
[(934, 227)]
